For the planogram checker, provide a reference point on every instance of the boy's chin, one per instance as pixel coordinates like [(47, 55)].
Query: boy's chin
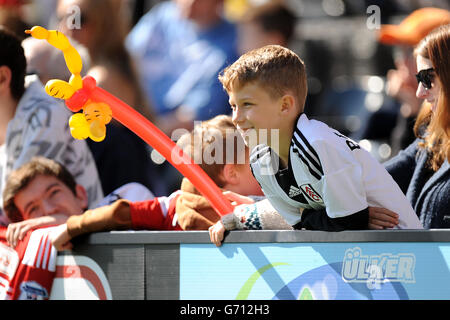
[(250, 138)]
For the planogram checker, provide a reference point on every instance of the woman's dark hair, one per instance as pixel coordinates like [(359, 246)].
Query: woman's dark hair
[(13, 56)]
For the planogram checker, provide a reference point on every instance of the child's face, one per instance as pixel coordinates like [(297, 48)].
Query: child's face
[(256, 115), (249, 185), (46, 195)]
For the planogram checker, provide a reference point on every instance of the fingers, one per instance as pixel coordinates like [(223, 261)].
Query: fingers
[(67, 246), (385, 212), (23, 231), (64, 246), (381, 218), (9, 236), (375, 224), (384, 218), (60, 238), (16, 232), (216, 234)]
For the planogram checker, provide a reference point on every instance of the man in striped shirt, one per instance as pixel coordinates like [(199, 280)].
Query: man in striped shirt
[(40, 194), (303, 165)]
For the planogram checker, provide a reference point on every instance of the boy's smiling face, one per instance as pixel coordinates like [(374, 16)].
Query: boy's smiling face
[(256, 113), (46, 195)]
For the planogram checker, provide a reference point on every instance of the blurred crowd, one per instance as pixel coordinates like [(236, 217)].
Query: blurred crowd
[(377, 71), (163, 57)]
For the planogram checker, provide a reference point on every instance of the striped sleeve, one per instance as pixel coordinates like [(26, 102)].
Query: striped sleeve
[(307, 154), (40, 253)]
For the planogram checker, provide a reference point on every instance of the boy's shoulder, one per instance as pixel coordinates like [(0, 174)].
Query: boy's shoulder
[(311, 129), (310, 132)]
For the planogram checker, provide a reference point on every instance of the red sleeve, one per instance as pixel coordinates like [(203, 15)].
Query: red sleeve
[(147, 215)]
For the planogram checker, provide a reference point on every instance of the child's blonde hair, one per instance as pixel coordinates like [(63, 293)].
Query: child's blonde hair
[(279, 70)]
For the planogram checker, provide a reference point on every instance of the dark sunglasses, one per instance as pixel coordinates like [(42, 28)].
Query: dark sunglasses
[(426, 77)]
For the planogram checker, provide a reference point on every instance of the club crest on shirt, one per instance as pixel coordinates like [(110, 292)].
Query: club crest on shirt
[(310, 193), (31, 290), (9, 260)]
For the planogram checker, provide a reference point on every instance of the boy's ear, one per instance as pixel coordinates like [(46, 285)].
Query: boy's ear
[(81, 195), (230, 174), (5, 78), (287, 103)]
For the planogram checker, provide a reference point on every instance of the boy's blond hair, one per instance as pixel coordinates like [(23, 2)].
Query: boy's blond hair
[(218, 140), (277, 69)]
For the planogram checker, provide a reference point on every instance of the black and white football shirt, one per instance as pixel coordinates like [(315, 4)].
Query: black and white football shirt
[(327, 170)]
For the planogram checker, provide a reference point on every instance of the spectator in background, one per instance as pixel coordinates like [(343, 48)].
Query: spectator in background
[(269, 23), (33, 123), (422, 169), (12, 17), (122, 157), (180, 46), (401, 82)]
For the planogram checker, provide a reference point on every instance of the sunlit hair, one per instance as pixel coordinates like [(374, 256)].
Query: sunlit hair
[(436, 48), (214, 143), (20, 178), (275, 68)]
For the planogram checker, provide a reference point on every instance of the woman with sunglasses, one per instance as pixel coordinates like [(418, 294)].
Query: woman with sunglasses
[(422, 170)]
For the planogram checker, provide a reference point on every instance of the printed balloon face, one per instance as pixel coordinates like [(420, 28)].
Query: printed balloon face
[(97, 111), (91, 123)]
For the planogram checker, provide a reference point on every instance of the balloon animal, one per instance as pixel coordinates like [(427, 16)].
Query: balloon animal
[(92, 122)]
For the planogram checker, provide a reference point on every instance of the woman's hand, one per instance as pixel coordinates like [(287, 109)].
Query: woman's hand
[(381, 218)]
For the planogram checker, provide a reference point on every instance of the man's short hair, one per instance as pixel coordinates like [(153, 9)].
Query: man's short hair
[(12, 56), (214, 143), (276, 68), (19, 179)]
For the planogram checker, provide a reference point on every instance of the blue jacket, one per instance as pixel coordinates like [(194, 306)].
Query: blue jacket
[(428, 191)]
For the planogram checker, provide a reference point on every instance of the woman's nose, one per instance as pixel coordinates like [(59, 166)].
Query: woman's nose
[(421, 92)]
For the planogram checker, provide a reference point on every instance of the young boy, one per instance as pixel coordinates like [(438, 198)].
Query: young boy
[(310, 166)]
